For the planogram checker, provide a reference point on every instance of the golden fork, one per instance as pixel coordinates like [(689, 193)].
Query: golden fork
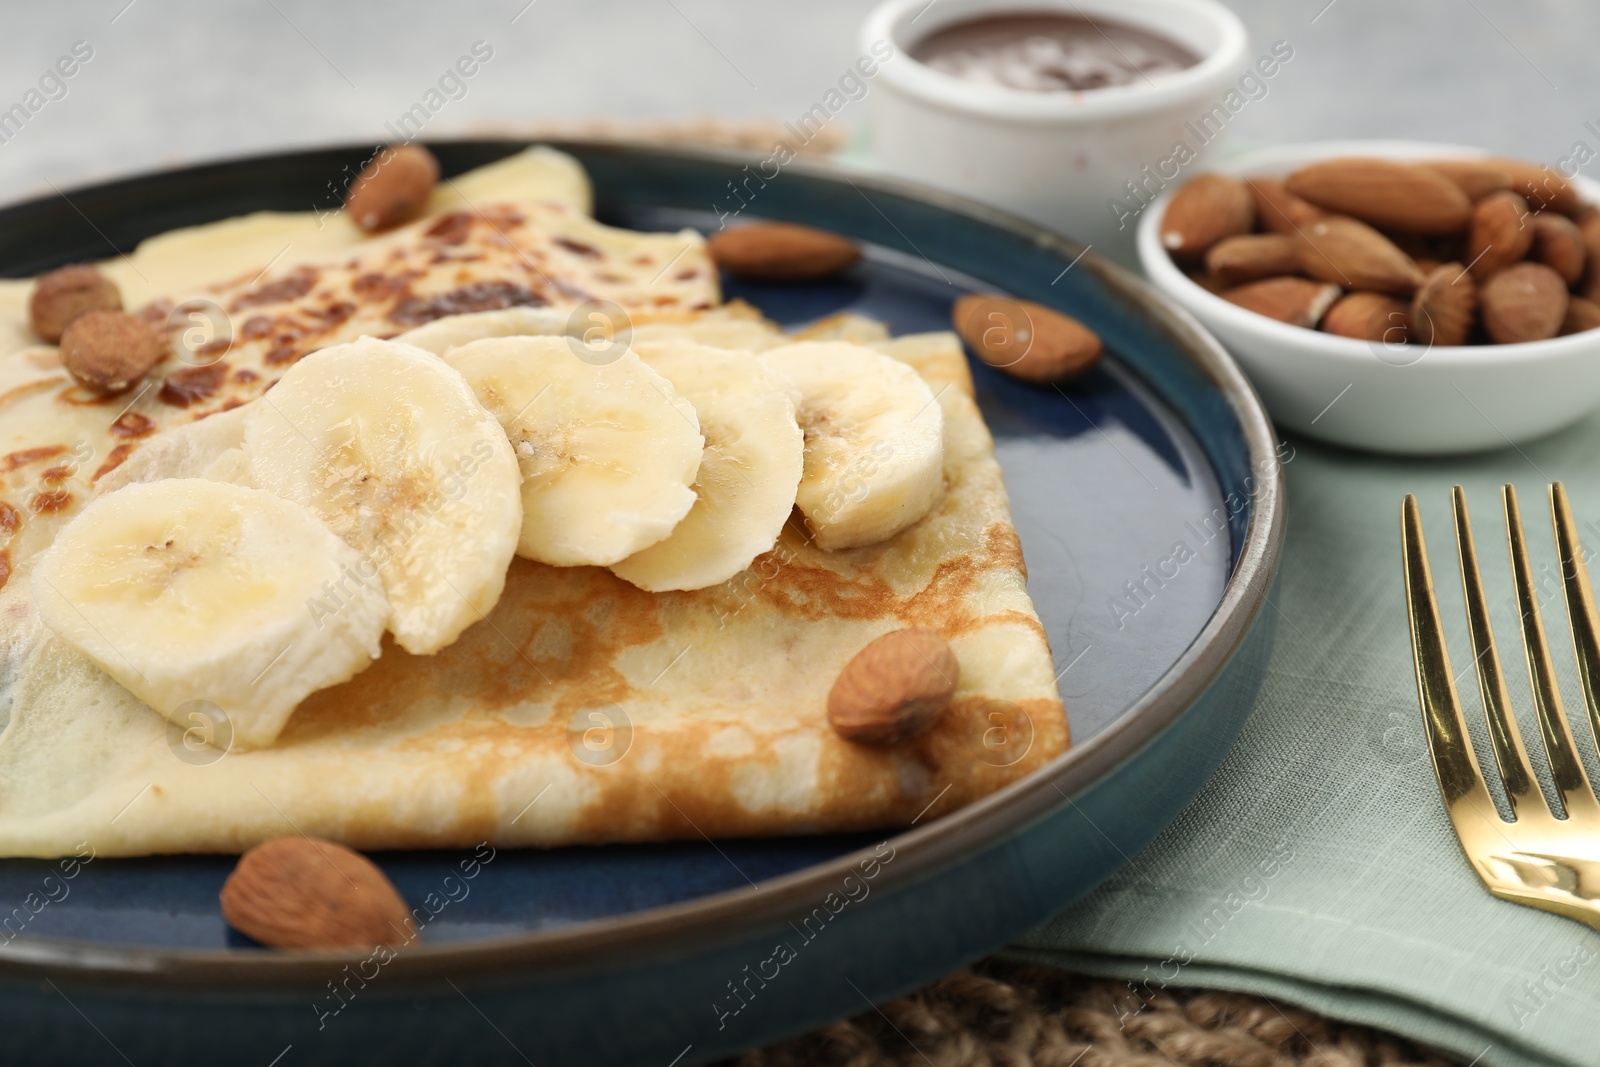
[(1539, 859)]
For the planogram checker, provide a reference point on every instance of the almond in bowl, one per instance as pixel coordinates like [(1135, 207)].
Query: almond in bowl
[(1393, 296)]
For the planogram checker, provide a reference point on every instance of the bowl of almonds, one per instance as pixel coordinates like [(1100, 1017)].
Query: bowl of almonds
[(1393, 296)]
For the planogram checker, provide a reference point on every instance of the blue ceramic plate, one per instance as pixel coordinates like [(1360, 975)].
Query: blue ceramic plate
[(1150, 512)]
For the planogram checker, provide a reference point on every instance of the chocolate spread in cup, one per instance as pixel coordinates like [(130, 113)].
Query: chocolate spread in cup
[(1048, 52)]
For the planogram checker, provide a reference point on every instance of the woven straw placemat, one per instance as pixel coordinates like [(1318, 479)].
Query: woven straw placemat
[(1001, 1014)]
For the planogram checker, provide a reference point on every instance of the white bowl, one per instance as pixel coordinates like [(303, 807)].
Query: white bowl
[(1058, 158), (1394, 398)]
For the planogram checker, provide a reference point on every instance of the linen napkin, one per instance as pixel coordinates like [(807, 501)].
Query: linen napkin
[(1318, 866)]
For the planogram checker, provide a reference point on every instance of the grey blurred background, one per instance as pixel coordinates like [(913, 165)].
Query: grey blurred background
[(176, 81)]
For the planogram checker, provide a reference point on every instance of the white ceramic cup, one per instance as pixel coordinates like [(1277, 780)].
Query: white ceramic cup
[(1382, 398), (1058, 158)]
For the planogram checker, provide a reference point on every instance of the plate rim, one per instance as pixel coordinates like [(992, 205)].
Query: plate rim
[(920, 852)]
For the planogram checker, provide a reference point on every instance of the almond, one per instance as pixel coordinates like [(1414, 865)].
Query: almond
[(1443, 309), (1582, 315), (1024, 339), (65, 293), (1524, 302), (1278, 209), (1206, 280), (1541, 187), (393, 188), (1297, 301), (1559, 245), (1476, 177), (1203, 212), (301, 892), (1403, 197), (781, 252), (108, 351), (1248, 256), (1352, 254), (1367, 317), (1589, 227), (895, 688), (1501, 234)]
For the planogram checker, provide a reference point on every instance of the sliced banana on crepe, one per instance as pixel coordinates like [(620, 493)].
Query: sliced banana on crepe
[(745, 488), (874, 441), (389, 445), (453, 331), (211, 448), (192, 590), (608, 452)]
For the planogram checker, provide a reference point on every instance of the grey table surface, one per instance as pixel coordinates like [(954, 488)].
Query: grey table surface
[(178, 81)]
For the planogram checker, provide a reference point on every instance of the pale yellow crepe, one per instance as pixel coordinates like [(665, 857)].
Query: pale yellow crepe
[(582, 709)]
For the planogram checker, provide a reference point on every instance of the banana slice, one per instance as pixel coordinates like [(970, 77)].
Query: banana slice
[(745, 488), (874, 441), (211, 448), (186, 589), (453, 331), (608, 452), (388, 444)]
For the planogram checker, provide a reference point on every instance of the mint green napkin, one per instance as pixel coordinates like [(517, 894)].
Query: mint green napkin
[(1318, 865)]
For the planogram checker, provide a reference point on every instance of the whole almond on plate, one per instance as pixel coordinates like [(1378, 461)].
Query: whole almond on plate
[(1541, 186), (1443, 309), (1368, 317), (1524, 302), (1582, 315), (1559, 245), (1352, 254), (65, 293), (1204, 211), (894, 688), (1247, 256), (1296, 301), (393, 188), (1278, 209), (301, 892), (1476, 177), (108, 351), (1501, 234), (781, 252), (1024, 339), (1403, 197)]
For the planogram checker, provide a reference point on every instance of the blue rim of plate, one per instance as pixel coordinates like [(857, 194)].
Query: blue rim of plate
[(920, 852)]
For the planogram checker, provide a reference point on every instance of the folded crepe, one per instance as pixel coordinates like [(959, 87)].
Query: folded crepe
[(581, 709)]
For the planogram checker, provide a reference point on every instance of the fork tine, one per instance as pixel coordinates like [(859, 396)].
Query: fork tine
[(1580, 603), (1515, 770), (1453, 761), (1571, 782)]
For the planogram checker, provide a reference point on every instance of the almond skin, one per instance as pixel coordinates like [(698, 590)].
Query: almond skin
[(301, 892), (108, 351), (1024, 339), (1589, 227), (1476, 177), (1352, 254), (1524, 302), (1278, 209), (1582, 315), (1402, 197), (1541, 186), (1203, 212), (1296, 301), (895, 688), (1442, 312), (1246, 257), (1559, 245), (393, 189), (63, 294), (1368, 317), (1501, 234), (781, 252)]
